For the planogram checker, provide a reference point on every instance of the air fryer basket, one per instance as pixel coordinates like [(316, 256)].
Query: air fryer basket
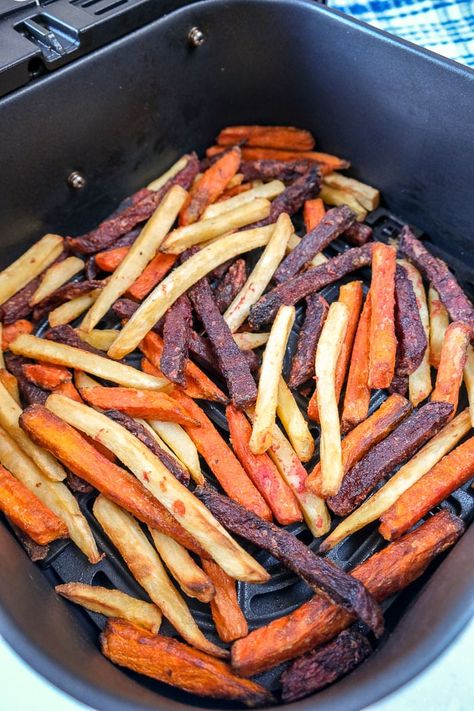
[(123, 114)]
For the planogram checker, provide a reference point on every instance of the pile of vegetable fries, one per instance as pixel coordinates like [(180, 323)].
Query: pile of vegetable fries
[(166, 277)]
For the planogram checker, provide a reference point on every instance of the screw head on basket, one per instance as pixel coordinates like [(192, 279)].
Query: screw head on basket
[(196, 37), (76, 180)]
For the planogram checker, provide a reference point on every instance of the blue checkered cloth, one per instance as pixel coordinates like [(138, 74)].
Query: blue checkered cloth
[(444, 26)]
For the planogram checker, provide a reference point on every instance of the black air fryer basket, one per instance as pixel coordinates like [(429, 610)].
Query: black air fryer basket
[(115, 92)]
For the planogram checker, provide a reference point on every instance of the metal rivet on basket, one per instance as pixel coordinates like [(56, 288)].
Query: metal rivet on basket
[(76, 180), (196, 37)]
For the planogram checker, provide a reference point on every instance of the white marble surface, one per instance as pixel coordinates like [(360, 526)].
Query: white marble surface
[(448, 685)]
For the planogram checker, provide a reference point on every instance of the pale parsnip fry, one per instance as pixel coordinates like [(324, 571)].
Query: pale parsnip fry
[(180, 280), (180, 502), (71, 310), (419, 382), (294, 423), (318, 259), (57, 275), (469, 380), (261, 275), (113, 603), (368, 196), (2, 359), (156, 437), (140, 253), (413, 470), (102, 367), (10, 411), (267, 190), (333, 196), (184, 237), (101, 339), (248, 341), (181, 445), (31, 263), (54, 494), (267, 395), (439, 322), (327, 353), (146, 567), (191, 578), (158, 183)]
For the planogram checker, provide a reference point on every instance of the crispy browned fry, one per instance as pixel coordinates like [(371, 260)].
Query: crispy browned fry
[(89, 464), (451, 364), (302, 366), (230, 285), (113, 603), (175, 663), (319, 573), (436, 271), (333, 224), (357, 397), (27, 512), (286, 137), (34, 551), (313, 280), (318, 621), (365, 436), (439, 322), (412, 341), (402, 443), (383, 343), (228, 617), (324, 665), (449, 474)]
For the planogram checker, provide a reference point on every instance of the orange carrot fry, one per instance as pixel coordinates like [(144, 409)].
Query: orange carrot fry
[(261, 470), (221, 460), (27, 512), (286, 137), (138, 403), (318, 620), (46, 376), (109, 260), (228, 617), (313, 213), (210, 186), (9, 381), (154, 272), (357, 397), (152, 347), (177, 664), (10, 332), (86, 462), (446, 476), (327, 163), (190, 388), (451, 364), (235, 190), (383, 342), (365, 436)]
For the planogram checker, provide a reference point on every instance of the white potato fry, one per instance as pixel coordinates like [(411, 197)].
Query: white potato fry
[(439, 322), (158, 183), (101, 339), (333, 196), (182, 446), (247, 341), (30, 265), (368, 196), (294, 423), (267, 190), (71, 310), (469, 380), (57, 275)]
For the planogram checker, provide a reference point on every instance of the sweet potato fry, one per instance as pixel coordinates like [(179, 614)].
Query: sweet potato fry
[(261, 470), (10, 383), (27, 512), (46, 376), (57, 275), (281, 137), (154, 272), (221, 460), (146, 567), (174, 663), (454, 470), (357, 397), (333, 196), (113, 603), (368, 196), (406, 476), (313, 213), (183, 506), (30, 265), (327, 163), (246, 194), (469, 380), (272, 364), (228, 617), (210, 186), (294, 423), (439, 322), (177, 328), (180, 280), (110, 259), (318, 621), (86, 462), (10, 332), (202, 386), (365, 436), (383, 343), (451, 364), (411, 336), (327, 354), (302, 366), (230, 285)]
